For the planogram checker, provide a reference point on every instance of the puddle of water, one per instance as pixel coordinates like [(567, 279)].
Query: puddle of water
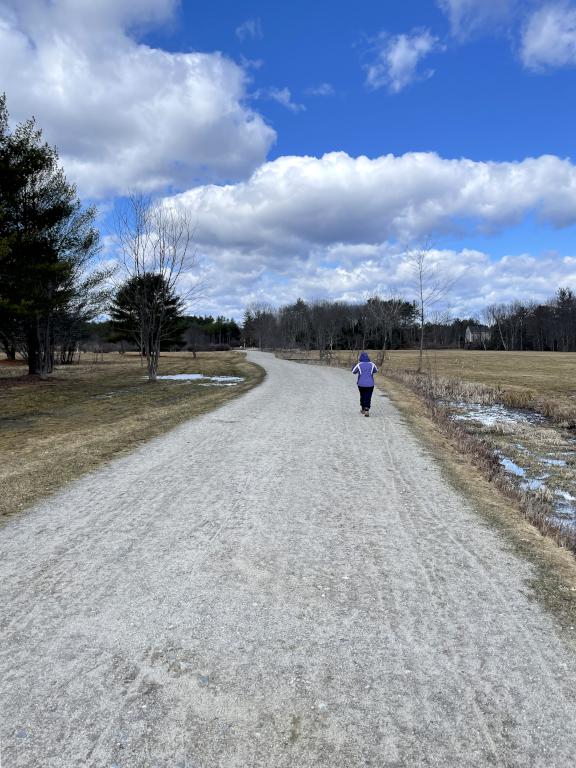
[(564, 503), (565, 508), (182, 377), (512, 467), (551, 462), (533, 476), (532, 485)]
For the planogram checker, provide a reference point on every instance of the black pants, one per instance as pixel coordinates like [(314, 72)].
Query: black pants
[(365, 397)]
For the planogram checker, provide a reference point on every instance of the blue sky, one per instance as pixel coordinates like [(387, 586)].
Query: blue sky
[(256, 116), (480, 103)]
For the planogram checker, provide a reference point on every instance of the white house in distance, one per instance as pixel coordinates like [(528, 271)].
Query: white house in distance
[(477, 335)]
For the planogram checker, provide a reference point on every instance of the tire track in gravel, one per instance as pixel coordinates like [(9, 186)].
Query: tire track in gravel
[(416, 487), (399, 479), (408, 537), (536, 650)]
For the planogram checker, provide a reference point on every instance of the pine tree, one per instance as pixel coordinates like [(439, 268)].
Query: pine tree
[(145, 308), (47, 241)]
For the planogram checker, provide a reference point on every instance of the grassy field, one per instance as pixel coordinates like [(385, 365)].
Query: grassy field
[(541, 373), (53, 431)]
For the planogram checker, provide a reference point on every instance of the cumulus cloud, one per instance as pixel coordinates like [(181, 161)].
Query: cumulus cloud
[(341, 199), (339, 226), (398, 58), (467, 17), (123, 114), (549, 37), (352, 273), (250, 29)]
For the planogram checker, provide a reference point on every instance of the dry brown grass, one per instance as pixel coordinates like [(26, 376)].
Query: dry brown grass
[(543, 381), (53, 431)]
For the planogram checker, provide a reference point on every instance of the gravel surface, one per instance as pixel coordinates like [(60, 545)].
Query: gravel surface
[(279, 583)]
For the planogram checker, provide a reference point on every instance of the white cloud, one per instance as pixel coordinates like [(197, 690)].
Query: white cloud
[(398, 58), (472, 16), (323, 89), (124, 114), (251, 28), (339, 272), (334, 227), (294, 202), (282, 96), (549, 37)]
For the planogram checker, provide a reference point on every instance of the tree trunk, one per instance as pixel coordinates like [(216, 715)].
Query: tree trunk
[(32, 349), (45, 349), (382, 351), (421, 350)]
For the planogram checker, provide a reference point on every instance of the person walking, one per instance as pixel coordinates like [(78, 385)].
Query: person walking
[(365, 369)]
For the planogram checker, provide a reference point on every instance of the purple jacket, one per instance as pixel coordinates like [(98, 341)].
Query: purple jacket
[(365, 370)]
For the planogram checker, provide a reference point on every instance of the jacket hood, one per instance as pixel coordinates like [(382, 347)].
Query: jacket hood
[(364, 357)]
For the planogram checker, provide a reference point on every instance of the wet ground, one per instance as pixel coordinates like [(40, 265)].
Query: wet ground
[(538, 455)]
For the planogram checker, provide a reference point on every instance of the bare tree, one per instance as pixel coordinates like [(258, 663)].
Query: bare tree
[(496, 314), (261, 319), (431, 287), (386, 317), (156, 240)]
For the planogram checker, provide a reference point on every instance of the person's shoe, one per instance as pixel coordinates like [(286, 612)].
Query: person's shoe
[(362, 411), (366, 413)]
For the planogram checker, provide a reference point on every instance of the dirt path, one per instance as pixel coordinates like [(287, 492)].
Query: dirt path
[(280, 583)]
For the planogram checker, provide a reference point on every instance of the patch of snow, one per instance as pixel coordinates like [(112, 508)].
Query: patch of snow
[(218, 381), (490, 415), (220, 384)]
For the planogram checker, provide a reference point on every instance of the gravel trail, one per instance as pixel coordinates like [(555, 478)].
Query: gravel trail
[(280, 583)]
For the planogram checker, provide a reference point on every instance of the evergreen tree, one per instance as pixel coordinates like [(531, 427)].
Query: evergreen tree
[(47, 241), (143, 308)]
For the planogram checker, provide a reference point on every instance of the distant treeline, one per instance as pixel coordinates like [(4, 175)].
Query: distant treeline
[(544, 327), (187, 332), (392, 323)]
